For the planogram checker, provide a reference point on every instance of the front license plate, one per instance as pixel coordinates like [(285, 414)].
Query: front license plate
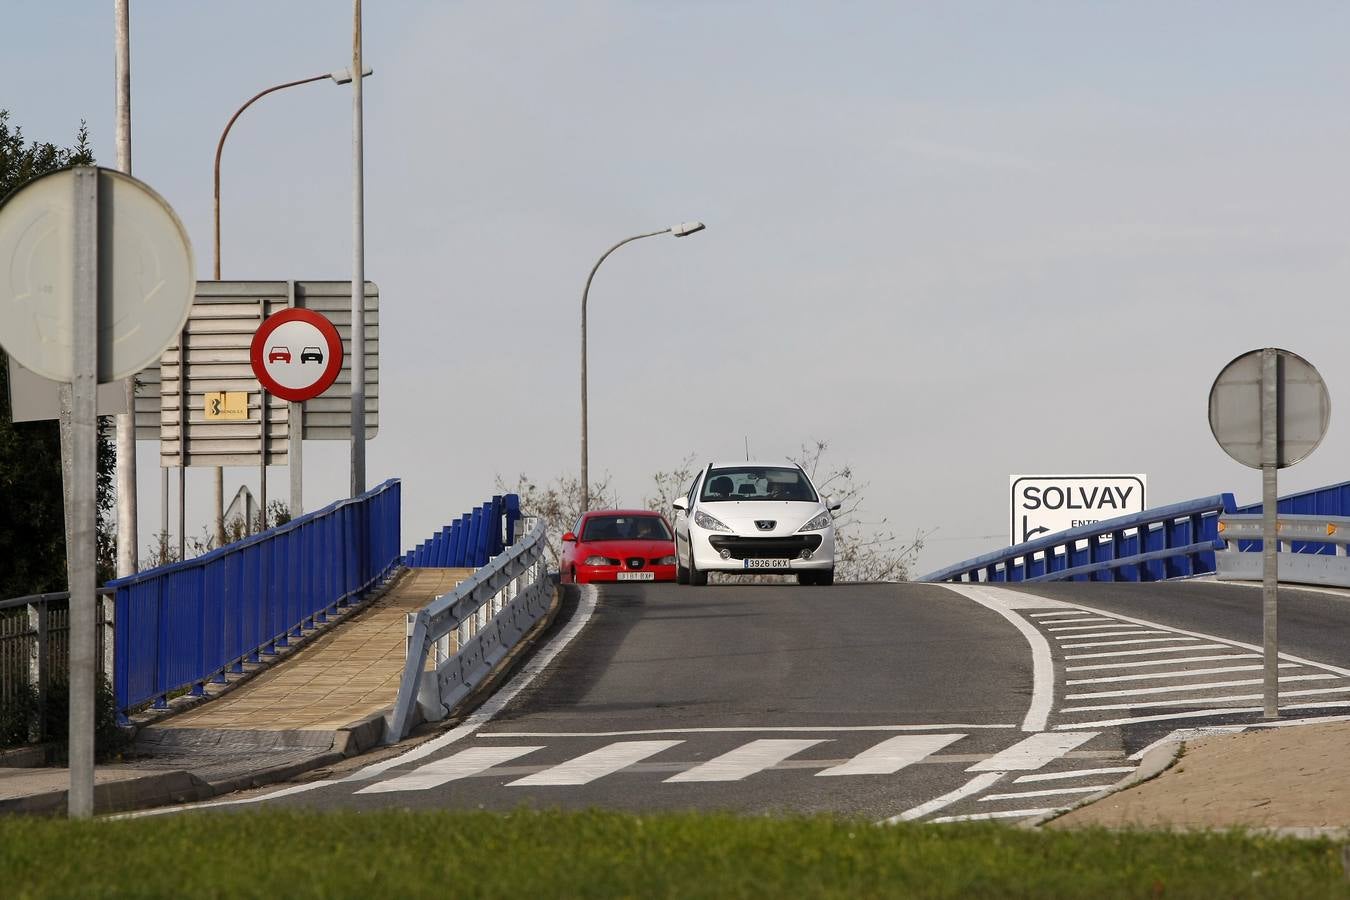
[(636, 576), (766, 563)]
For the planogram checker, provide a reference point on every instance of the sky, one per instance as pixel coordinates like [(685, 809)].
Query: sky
[(956, 241)]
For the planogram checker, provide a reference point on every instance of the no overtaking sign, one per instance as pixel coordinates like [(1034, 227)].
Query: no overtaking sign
[(296, 354)]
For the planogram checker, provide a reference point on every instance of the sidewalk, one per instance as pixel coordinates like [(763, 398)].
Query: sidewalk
[(321, 703)]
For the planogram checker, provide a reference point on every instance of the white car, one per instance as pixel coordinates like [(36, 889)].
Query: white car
[(753, 517)]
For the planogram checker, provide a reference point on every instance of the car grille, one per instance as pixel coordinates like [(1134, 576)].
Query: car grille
[(636, 562), (764, 548)]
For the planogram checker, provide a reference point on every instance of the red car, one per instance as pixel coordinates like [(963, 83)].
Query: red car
[(618, 545), (279, 354)]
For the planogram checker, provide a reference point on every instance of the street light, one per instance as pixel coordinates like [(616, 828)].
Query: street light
[(684, 229), (341, 76)]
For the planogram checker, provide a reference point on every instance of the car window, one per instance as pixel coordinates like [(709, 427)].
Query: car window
[(626, 528), (757, 483)]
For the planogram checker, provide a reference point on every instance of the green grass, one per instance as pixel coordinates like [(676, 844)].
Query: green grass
[(599, 854)]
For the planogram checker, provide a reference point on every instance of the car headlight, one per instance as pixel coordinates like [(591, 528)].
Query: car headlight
[(601, 561), (819, 523), (703, 520), (666, 561)]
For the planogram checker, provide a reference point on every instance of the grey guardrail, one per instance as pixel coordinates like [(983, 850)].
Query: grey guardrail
[(469, 630), (1312, 549)]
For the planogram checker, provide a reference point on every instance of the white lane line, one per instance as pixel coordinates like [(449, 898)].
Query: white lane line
[(484, 714), (1110, 653), (748, 729), (1032, 752), (463, 764), (1080, 773), (1051, 792), (1123, 643), (1060, 612), (893, 754), (1204, 686), (744, 761), (1106, 624), (1191, 701), (973, 786), (1141, 663), (1209, 637), (1001, 814), (1133, 630), (1003, 602), (597, 764), (1181, 673)]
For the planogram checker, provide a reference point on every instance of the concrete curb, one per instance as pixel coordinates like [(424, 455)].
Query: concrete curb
[(1154, 763)]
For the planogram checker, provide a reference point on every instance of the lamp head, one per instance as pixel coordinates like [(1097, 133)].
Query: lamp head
[(686, 228), (344, 76)]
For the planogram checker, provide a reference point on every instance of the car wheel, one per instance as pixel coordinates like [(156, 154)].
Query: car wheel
[(695, 576), (805, 578), (681, 573), (825, 578)]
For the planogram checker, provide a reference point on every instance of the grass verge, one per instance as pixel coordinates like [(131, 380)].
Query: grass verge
[(601, 854)]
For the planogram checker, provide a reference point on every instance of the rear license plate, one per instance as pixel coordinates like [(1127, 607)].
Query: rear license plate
[(636, 576), (766, 563)]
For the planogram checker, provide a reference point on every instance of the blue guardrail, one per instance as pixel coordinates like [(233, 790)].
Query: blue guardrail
[(185, 624), (472, 539)]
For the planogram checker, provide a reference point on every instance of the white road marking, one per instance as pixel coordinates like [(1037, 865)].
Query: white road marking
[(893, 754), (463, 764), (1060, 612), (973, 786), (1080, 773), (1051, 792), (1001, 814), (1123, 643), (744, 761), (1109, 653), (1205, 686), (1123, 631), (1180, 673), (750, 729), (1140, 663), (598, 763), (1105, 624), (1003, 602), (1134, 720), (1191, 701), (1033, 752)]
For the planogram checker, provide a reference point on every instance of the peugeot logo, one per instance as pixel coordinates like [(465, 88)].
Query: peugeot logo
[(765, 524)]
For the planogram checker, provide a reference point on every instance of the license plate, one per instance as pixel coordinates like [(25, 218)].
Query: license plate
[(766, 563), (636, 576)]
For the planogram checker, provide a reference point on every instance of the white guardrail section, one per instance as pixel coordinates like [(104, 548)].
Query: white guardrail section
[(1307, 567), (467, 631)]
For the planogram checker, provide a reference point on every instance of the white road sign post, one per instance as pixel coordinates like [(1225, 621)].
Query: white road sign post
[(82, 303), (1269, 409), (1047, 504)]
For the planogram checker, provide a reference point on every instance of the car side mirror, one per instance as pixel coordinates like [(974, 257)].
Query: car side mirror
[(832, 504), (680, 503), (569, 537)]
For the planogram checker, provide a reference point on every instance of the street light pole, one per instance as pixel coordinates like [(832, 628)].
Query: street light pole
[(682, 230)]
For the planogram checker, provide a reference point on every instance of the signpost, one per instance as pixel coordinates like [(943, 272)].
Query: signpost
[(82, 303), (1046, 504), (1269, 409)]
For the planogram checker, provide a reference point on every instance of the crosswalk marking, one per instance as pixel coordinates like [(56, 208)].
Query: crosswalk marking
[(1078, 773), (1177, 688), (1033, 751), (1191, 701), (596, 764), (1061, 612), (893, 754), (1123, 643), (744, 761), (1186, 649), (1105, 624), (1001, 814), (1117, 631), (461, 765), (973, 786), (1141, 663), (1047, 792), (1179, 673)]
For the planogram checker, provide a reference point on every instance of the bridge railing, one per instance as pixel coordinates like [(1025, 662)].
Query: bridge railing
[(1156, 544), (1310, 549), (468, 630), (182, 625), (472, 539)]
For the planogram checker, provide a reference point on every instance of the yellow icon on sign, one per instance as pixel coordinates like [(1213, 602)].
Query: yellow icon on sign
[(227, 405)]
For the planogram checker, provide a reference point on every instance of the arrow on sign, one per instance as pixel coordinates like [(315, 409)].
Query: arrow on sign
[(1028, 535)]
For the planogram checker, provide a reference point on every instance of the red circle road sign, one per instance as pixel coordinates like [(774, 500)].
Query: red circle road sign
[(296, 354)]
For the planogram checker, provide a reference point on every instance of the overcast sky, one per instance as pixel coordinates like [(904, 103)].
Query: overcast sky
[(957, 241)]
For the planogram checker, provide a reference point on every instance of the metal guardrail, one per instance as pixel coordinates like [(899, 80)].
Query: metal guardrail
[(1156, 544), (469, 630), (472, 539), (188, 623), (1311, 550)]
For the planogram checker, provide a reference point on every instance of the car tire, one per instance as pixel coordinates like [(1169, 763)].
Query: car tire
[(806, 578), (695, 576), (681, 573), (825, 578)]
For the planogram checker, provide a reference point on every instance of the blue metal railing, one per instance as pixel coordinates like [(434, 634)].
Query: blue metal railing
[(472, 539), (1156, 544), (1332, 500), (185, 624)]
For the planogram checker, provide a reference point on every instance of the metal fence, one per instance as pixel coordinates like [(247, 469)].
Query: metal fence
[(472, 539), (1310, 549), (186, 624), (1156, 544)]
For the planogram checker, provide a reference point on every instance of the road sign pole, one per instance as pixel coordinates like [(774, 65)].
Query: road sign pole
[(1270, 457), (83, 485), (295, 457), (358, 451)]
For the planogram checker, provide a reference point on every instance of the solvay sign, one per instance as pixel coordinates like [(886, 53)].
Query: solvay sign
[(1046, 504)]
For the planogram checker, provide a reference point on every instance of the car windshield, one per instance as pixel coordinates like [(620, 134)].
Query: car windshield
[(757, 483), (625, 528)]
